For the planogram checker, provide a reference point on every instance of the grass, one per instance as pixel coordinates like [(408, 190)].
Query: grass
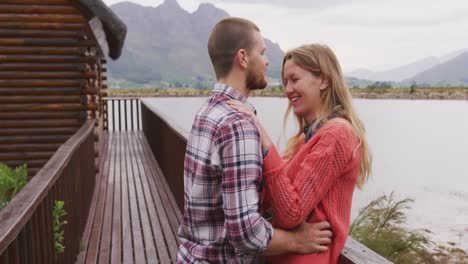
[(11, 182), (58, 213), (381, 227), (412, 93)]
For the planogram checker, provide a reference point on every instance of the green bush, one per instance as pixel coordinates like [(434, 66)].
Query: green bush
[(381, 227), (58, 213), (11, 182)]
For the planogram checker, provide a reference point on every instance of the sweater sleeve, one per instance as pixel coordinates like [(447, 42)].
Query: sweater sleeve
[(293, 200)]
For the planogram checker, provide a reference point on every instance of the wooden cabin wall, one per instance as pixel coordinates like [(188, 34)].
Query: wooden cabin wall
[(50, 79), (96, 32)]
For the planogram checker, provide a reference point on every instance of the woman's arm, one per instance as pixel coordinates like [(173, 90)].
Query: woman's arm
[(315, 175), (293, 201)]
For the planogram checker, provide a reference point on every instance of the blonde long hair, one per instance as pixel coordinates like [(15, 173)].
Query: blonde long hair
[(336, 100)]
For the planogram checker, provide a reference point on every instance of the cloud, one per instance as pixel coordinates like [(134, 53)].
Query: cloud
[(313, 4), (385, 15), (384, 22)]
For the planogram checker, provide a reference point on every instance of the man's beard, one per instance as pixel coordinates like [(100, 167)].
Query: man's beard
[(255, 82)]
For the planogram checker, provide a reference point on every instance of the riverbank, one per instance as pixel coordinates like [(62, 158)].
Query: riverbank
[(413, 94), (459, 93)]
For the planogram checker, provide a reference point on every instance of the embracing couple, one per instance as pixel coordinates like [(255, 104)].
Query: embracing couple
[(233, 173)]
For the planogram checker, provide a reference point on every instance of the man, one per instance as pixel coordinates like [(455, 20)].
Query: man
[(223, 164)]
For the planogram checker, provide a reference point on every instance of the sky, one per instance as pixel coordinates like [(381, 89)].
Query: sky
[(370, 34)]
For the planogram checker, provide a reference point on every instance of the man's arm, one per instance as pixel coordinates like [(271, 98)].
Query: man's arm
[(305, 239), (241, 164), (247, 230)]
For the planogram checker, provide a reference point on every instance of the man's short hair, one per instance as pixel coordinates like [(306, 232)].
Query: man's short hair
[(226, 39)]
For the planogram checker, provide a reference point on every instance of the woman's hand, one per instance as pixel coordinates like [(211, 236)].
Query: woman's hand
[(241, 107)]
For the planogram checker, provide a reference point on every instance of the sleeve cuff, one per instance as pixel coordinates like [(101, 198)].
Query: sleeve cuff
[(270, 231)]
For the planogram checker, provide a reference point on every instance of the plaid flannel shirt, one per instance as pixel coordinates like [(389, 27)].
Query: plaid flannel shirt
[(223, 181)]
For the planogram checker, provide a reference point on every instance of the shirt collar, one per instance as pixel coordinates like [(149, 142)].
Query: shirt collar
[(309, 132), (229, 91), (225, 89)]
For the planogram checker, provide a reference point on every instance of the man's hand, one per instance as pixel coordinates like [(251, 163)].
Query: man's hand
[(312, 238), (305, 239)]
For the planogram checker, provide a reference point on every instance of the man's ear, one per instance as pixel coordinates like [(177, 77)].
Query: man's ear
[(324, 84), (242, 59)]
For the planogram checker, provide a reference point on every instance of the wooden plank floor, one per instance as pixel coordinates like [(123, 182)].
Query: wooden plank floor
[(134, 217)]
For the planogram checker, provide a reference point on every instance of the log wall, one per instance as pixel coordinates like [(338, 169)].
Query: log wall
[(50, 79)]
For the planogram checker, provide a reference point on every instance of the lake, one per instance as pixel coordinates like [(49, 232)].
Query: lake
[(420, 151)]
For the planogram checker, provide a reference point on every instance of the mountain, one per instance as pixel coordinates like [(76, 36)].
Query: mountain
[(352, 82), (166, 45), (406, 71), (452, 55), (452, 72)]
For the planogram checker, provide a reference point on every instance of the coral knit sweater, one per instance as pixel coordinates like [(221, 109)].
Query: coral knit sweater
[(317, 184)]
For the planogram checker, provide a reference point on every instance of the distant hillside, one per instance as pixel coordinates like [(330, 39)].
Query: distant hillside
[(352, 82), (167, 46), (452, 72), (404, 72)]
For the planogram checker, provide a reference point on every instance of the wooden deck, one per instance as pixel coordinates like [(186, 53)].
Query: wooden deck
[(129, 210), (134, 217)]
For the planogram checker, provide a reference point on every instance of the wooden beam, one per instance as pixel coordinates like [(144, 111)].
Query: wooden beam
[(55, 131), (26, 155), (54, 42), (44, 33), (43, 26), (37, 2), (40, 99), (30, 163), (42, 67), (41, 115), (38, 9), (25, 50), (355, 252), (29, 147), (49, 18), (47, 59), (42, 83), (47, 75), (39, 123), (5, 140), (47, 107), (99, 34), (32, 172), (57, 91)]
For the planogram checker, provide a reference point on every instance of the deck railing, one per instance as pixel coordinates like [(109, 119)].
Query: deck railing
[(27, 222), (122, 114), (168, 143)]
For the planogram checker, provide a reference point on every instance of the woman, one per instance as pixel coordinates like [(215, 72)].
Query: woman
[(325, 160)]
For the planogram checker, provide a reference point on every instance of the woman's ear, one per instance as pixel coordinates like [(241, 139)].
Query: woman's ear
[(324, 84)]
